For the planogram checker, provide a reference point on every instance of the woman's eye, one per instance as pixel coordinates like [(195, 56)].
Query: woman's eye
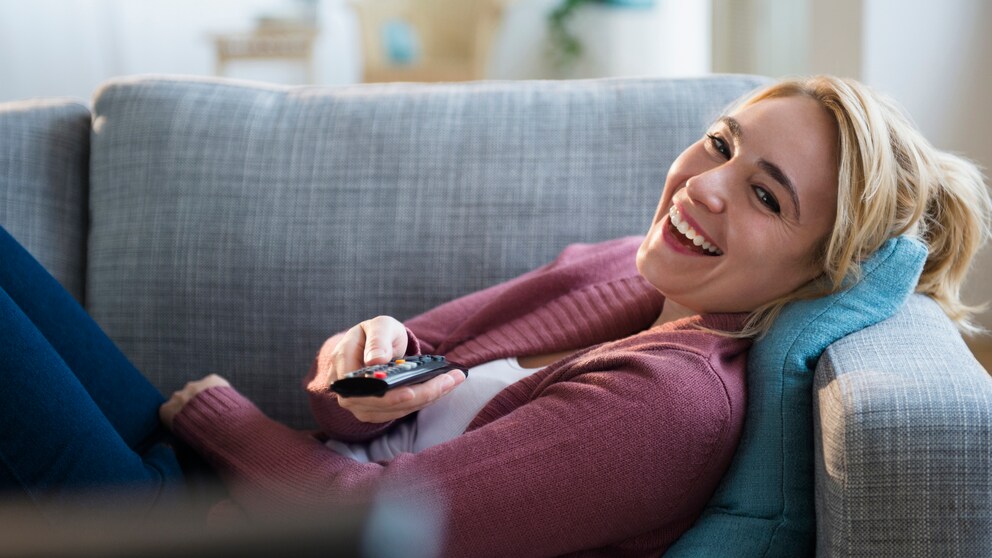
[(719, 145), (767, 199)]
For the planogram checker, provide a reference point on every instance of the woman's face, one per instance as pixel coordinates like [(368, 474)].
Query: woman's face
[(759, 193)]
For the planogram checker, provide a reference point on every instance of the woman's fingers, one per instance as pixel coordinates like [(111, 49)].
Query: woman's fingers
[(377, 341), (374, 341), (168, 411), (348, 355), (385, 338)]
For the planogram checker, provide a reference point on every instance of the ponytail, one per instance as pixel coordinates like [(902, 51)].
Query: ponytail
[(955, 225)]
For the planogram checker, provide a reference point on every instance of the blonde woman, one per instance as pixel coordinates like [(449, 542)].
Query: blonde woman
[(620, 361)]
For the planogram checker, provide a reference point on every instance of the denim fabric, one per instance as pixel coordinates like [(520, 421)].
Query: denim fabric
[(76, 418)]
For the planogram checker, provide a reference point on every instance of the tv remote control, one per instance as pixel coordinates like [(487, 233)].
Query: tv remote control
[(379, 378)]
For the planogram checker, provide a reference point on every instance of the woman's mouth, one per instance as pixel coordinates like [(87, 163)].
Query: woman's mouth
[(690, 237)]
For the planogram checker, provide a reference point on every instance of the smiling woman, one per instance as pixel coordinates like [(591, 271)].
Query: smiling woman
[(861, 170), (730, 190)]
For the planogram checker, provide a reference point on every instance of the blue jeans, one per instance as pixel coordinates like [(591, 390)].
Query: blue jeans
[(78, 422)]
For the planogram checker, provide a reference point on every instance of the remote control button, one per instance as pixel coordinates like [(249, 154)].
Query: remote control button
[(379, 375), (400, 361)]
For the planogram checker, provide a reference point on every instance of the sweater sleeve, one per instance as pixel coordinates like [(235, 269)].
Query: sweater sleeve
[(442, 327), (627, 450)]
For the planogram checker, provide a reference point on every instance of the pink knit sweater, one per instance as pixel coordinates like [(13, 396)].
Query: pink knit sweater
[(611, 451)]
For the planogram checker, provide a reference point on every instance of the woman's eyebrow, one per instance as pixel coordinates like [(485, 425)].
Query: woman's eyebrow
[(734, 126), (771, 168)]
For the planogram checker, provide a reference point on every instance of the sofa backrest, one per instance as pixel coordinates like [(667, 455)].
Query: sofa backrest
[(235, 227), (44, 162)]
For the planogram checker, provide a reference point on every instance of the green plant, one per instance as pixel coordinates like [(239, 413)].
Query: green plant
[(564, 48)]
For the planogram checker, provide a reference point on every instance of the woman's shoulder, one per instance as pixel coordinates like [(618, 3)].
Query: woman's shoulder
[(701, 371), (698, 336), (685, 391)]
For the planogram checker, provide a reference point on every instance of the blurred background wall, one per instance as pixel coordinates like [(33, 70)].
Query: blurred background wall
[(933, 56)]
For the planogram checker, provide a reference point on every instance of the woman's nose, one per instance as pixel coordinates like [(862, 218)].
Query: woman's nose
[(709, 189)]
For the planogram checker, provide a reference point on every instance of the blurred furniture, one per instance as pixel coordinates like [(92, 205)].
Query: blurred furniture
[(210, 226), (285, 42), (427, 40), (981, 346)]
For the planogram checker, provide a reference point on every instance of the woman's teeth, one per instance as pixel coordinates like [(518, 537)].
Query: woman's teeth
[(690, 233)]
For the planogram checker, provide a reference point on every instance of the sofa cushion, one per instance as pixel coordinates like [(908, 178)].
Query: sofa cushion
[(764, 505), (44, 165), (903, 440), (235, 227)]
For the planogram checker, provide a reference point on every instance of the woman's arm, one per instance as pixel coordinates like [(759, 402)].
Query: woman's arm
[(618, 452), (442, 329)]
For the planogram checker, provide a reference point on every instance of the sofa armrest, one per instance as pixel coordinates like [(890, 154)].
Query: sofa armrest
[(903, 441)]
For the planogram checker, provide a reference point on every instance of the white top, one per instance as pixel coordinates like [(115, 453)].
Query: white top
[(447, 418)]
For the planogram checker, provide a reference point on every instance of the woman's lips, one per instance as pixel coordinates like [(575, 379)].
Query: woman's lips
[(688, 235)]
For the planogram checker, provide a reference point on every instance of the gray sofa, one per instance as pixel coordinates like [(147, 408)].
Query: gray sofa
[(226, 227)]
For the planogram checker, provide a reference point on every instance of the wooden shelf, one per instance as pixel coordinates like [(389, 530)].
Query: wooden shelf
[(982, 349), (289, 43)]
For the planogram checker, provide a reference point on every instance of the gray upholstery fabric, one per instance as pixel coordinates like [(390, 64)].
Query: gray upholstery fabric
[(44, 162), (235, 227), (903, 423)]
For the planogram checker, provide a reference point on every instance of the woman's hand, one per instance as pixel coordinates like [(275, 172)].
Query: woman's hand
[(376, 341), (168, 411)]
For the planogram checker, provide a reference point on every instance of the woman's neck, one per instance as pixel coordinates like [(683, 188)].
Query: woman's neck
[(672, 311)]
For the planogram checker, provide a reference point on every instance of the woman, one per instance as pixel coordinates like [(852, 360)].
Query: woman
[(619, 362)]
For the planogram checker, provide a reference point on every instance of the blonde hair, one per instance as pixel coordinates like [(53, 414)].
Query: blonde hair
[(891, 181)]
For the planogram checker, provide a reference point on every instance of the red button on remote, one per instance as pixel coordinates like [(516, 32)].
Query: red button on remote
[(379, 375)]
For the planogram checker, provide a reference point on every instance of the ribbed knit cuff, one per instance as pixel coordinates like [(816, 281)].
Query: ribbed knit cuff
[(262, 461), (215, 419), (237, 438), (267, 466)]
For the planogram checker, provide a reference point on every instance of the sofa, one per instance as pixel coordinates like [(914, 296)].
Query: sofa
[(214, 226)]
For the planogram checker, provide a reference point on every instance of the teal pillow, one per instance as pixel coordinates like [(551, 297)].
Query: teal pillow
[(764, 504)]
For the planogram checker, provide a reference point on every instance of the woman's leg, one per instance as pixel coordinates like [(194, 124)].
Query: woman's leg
[(124, 396), (74, 413), (56, 445)]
